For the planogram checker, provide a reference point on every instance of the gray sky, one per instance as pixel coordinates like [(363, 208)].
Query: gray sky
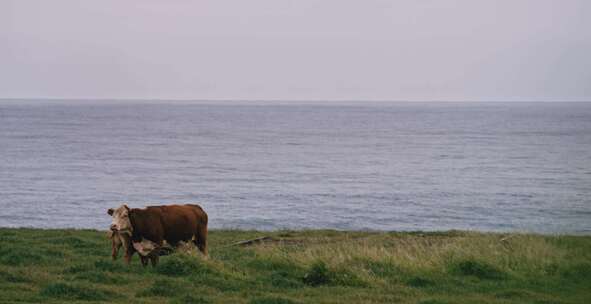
[(297, 50)]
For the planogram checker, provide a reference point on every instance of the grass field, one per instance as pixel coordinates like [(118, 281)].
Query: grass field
[(316, 266)]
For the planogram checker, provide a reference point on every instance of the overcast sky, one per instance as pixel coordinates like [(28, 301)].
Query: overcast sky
[(297, 50)]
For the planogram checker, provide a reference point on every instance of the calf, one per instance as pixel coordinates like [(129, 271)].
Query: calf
[(147, 250), (118, 240)]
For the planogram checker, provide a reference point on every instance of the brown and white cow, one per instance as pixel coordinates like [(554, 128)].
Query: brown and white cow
[(156, 224)]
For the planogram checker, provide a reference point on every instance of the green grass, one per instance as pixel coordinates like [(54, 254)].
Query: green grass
[(313, 266)]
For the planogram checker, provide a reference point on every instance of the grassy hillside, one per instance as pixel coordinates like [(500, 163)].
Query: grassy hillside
[(56, 266)]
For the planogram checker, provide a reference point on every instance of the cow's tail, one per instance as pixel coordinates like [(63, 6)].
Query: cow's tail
[(201, 235)]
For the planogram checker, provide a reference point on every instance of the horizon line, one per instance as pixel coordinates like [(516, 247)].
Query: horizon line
[(225, 100)]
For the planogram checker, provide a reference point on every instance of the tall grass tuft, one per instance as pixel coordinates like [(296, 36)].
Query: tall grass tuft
[(320, 274), (183, 265), (479, 269)]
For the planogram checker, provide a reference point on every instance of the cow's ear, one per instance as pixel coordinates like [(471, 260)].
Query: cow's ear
[(110, 211), (124, 205)]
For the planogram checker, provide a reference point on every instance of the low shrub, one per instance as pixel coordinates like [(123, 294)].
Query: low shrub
[(479, 269), (419, 282), (266, 264), (182, 265), (320, 274), (284, 279)]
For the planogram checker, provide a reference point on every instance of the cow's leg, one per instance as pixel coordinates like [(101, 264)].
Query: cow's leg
[(144, 260), (127, 247), (154, 259), (128, 254), (115, 249), (128, 257), (201, 239)]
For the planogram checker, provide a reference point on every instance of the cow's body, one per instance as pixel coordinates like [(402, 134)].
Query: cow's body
[(173, 223)]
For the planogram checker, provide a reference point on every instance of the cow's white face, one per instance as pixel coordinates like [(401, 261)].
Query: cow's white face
[(121, 222)]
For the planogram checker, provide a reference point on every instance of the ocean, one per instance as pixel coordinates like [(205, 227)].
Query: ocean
[(255, 165)]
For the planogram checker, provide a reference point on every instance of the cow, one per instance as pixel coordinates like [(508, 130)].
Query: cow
[(172, 223)]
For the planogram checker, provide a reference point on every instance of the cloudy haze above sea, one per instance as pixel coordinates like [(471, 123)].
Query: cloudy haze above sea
[(297, 50)]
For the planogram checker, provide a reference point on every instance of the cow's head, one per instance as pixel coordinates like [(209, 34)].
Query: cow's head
[(121, 222)]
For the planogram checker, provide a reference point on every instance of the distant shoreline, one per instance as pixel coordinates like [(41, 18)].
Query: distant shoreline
[(273, 101), (329, 230)]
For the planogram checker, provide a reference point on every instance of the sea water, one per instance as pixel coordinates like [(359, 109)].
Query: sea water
[(355, 166)]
